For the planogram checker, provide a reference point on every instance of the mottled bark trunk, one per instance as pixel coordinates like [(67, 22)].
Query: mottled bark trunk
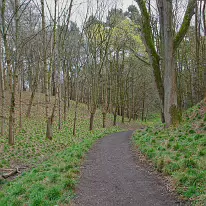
[(170, 86)]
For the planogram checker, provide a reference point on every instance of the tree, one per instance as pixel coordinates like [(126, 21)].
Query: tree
[(2, 91), (169, 42)]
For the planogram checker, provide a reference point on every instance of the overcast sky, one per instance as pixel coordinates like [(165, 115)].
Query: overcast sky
[(79, 7)]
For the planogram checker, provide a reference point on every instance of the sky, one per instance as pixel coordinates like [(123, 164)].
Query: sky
[(80, 7), (126, 3)]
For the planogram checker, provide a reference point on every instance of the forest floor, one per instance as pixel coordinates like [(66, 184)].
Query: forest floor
[(179, 153), (113, 175), (48, 171)]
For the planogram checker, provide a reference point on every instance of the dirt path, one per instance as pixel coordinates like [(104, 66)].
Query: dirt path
[(111, 176)]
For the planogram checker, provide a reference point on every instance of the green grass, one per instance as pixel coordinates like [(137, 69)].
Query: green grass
[(31, 147), (52, 165), (179, 152), (52, 182)]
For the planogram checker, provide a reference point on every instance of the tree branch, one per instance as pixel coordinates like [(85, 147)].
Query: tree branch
[(139, 57), (185, 24), (146, 28)]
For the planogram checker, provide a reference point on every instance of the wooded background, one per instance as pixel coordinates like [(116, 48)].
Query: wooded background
[(146, 60)]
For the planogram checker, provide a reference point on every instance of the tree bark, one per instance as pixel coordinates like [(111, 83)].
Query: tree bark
[(104, 119), (91, 121), (166, 89), (34, 88), (49, 128), (45, 59), (170, 86), (2, 91)]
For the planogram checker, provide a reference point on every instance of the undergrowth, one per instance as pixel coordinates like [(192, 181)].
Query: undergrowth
[(180, 152), (52, 182), (52, 165)]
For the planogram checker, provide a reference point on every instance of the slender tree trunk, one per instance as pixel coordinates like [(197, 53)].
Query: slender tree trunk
[(49, 128), (104, 119), (34, 88), (123, 113), (75, 118), (65, 95), (28, 114), (45, 59), (59, 109), (115, 117), (20, 103), (91, 121), (12, 113), (143, 108), (2, 91)]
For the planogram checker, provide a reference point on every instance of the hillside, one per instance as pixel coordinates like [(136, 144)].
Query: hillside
[(45, 158), (179, 153)]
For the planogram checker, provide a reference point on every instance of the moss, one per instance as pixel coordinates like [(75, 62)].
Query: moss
[(176, 115)]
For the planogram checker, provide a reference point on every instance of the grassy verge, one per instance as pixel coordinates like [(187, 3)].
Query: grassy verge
[(53, 181), (180, 152)]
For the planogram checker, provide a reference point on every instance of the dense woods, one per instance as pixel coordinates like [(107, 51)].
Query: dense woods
[(72, 72), (148, 59)]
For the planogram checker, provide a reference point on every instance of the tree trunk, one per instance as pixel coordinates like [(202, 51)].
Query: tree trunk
[(91, 121), (11, 115), (28, 114), (59, 108), (20, 107), (49, 128), (170, 86), (143, 108), (45, 59), (104, 119), (123, 113), (115, 117), (2, 91), (75, 118)]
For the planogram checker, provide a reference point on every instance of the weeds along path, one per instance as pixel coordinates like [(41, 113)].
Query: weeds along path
[(112, 176)]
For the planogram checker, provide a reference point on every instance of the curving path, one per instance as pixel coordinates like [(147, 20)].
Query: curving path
[(111, 176)]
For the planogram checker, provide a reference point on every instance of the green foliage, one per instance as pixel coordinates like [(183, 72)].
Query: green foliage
[(55, 163), (179, 152), (51, 181)]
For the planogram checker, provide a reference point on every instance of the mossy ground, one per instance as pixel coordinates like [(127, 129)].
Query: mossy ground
[(179, 152)]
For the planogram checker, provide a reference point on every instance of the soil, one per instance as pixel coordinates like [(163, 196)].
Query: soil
[(112, 174)]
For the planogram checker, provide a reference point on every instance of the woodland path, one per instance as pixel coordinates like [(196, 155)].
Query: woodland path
[(113, 175)]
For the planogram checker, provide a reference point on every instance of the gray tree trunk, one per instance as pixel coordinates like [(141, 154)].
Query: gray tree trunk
[(170, 97)]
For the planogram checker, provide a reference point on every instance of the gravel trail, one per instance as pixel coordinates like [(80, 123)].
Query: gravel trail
[(111, 176)]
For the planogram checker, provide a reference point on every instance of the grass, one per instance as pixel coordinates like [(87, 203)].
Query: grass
[(52, 166), (31, 147), (180, 152), (52, 182)]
